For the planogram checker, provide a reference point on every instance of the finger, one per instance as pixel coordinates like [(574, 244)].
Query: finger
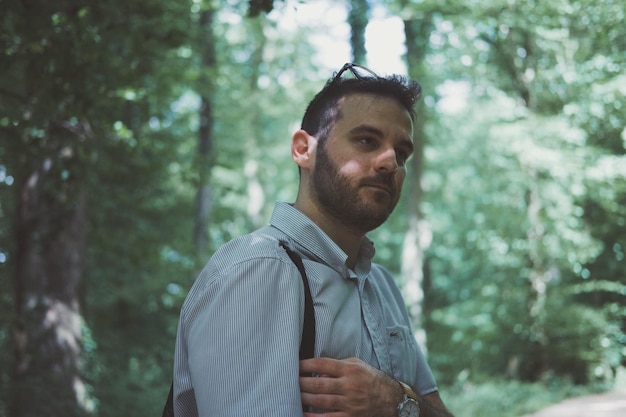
[(322, 366), (320, 385)]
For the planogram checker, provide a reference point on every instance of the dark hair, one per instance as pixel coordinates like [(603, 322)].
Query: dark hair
[(322, 111)]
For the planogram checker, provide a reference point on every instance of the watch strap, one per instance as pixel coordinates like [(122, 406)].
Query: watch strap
[(408, 391)]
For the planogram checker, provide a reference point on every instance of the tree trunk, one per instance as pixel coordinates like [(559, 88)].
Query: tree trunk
[(205, 140), (541, 269), (253, 143), (50, 267), (541, 273), (358, 18), (418, 236)]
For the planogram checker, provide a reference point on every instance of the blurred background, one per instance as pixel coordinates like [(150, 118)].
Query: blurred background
[(138, 136)]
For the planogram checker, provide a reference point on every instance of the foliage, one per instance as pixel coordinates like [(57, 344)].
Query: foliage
[(91, 73), (507, 398), (510, 198)]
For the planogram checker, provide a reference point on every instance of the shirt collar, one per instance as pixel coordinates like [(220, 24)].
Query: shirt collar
[(316, 243)]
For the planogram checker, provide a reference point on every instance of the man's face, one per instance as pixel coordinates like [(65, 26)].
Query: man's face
[(359, 169)]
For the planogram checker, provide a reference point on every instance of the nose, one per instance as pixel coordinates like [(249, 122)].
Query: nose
[(387, 161)]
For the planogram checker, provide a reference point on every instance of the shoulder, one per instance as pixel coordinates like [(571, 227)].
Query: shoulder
[(256, 254), (253, 246), (255, 258)]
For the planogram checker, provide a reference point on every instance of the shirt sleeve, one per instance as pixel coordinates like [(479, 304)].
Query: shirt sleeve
[(242, 335)]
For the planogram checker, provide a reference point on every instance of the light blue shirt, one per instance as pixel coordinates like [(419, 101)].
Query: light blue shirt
[(240, 327)]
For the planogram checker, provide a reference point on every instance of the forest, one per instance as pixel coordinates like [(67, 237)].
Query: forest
[(136, 137)]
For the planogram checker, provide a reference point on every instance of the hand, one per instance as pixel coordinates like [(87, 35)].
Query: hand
[(348, 387)]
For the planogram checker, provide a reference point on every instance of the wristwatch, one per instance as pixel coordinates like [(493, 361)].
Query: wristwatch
[(409, 406)]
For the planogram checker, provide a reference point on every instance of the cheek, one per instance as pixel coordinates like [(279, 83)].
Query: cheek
[(400, 176), (352, 168)]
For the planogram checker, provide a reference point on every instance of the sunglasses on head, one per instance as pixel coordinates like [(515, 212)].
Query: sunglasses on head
[(360, 72)]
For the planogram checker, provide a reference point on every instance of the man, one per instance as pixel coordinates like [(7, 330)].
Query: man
[(242, 322)]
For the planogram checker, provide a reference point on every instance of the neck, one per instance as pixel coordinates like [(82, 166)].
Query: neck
[(347, 239)]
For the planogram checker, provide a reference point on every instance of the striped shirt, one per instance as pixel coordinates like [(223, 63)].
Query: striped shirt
[(240, 326)]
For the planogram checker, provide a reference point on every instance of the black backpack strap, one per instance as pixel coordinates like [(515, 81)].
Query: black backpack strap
[(168, 409), (307, 344)]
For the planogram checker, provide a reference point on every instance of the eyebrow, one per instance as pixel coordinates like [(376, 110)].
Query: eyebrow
[(377, 132), (367, 129)]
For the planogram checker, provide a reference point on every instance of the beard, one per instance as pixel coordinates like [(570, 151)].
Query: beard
[(341, 199)]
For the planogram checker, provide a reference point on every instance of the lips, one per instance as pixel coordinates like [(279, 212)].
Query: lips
[(383, 187)]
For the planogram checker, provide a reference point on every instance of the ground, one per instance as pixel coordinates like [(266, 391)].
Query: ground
[(610, 404)]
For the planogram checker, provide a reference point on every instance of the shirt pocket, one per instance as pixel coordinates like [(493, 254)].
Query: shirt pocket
[(402, 353)]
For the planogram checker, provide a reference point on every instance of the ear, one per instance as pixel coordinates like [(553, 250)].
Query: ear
[(303, 148)]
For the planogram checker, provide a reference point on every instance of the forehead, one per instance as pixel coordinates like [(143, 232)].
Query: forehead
[(385, 112)]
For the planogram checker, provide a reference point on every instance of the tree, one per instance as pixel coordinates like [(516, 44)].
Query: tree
[(205, 160), (417, 29), (358, 18), (522, 236), (55, 74)]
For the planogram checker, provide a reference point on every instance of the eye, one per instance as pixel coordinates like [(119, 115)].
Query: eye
[(402, 156), (366, 142)]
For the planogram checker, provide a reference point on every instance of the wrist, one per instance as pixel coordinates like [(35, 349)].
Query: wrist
[(408, 406)]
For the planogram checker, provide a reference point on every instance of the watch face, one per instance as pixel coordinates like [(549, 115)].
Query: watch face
[(409, 408)]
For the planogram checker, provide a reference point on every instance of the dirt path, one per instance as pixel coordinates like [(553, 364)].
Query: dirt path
[(610, 404)]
